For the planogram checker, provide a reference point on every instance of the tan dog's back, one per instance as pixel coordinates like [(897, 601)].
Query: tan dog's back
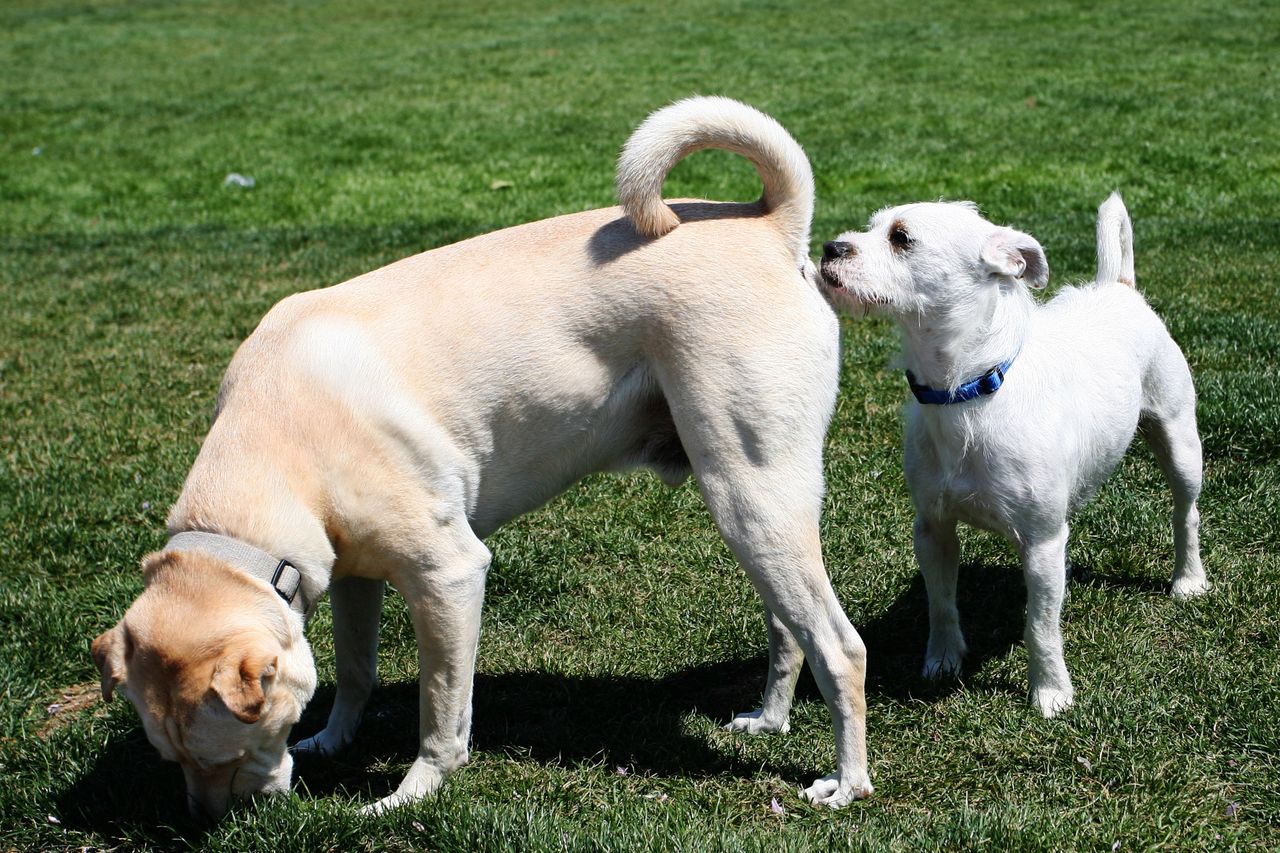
[(379, 429)]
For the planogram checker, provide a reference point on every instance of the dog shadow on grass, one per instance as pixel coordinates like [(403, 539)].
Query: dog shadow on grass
[(564, 720), (639, 722), (991, 600)]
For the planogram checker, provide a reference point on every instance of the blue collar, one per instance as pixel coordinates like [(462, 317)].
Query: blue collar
[(987, 383)]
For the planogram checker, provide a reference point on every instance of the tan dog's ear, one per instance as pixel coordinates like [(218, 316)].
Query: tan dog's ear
[(1017, 255), (109, 655), (239, 679)]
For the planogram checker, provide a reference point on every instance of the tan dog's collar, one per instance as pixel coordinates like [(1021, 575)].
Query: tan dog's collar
[(282, 575)]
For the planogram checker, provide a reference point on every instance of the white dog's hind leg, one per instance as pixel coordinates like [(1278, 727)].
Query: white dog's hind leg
[(444, 595), (938, 553), (1176, 445), (785, 660), (357, 610), (1043, 567)]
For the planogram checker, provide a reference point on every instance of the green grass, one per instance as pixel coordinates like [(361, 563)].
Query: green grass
[(618, 631)]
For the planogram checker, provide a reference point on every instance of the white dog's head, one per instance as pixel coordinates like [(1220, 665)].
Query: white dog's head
[(216, 672), (928, 260)]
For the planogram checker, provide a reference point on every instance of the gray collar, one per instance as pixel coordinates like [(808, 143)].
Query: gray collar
[(282, 575)]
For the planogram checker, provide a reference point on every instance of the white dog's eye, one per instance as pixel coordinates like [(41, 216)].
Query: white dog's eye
[(899, 239)]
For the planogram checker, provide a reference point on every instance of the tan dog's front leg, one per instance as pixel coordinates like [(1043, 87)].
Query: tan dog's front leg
[(785, 660), (444, 598), (357, 610)]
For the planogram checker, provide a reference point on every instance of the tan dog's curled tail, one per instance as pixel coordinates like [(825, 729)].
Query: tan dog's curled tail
[(674, 132), (1115, 243)]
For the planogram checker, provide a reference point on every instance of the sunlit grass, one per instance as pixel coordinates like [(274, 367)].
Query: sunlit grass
[(618, 631)]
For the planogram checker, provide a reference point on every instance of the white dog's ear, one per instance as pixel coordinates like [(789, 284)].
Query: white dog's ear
[(1017, 255), (109, 654), (240, 679)]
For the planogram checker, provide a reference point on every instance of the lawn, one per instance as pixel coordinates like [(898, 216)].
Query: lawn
[(619, 634)]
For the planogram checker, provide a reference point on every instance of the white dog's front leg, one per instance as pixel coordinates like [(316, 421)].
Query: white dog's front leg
[(357, 610), (785, 660), (444, 597), (938, 554), (1045, 572)]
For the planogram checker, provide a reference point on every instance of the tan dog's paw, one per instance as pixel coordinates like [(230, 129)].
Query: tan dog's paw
[(323, 744), (423, 779), (832, 792), (755, 723)]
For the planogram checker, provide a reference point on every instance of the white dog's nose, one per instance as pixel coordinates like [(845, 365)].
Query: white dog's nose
[(835, 249)]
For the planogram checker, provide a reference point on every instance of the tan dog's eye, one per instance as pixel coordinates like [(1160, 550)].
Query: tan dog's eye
[(899, 239)]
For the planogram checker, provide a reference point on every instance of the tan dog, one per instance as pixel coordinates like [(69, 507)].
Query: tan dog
[(380, 429)]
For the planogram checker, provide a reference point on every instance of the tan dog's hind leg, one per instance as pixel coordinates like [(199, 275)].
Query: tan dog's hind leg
[(753, 431), (775, 536), (444, 592), (785, 660), (357, 610)]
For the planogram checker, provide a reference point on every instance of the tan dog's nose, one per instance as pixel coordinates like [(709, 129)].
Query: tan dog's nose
[(208, 794)]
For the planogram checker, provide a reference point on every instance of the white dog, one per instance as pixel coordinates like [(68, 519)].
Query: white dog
[(1021, 410), (380, 429)]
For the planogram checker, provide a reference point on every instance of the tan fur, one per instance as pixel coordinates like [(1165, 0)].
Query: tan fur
[(379, 429)]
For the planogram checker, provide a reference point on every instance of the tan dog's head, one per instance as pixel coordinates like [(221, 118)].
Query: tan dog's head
[(218, 673), (929, 260)]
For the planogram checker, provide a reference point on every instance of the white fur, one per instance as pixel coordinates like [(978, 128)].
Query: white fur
[(1115, 242), (1092, 366)]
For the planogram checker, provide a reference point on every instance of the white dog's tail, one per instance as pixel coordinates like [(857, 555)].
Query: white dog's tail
[(1115, 242), (674, 132)]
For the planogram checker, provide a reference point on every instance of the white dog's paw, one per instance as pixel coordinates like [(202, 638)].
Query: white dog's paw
[(831, 792), (1051, 700), (324, 744), (946, 665), (1184, 588), (944, 655), (754, 723)]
